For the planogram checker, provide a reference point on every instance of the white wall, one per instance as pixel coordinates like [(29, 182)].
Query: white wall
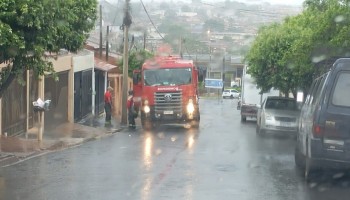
[(83, 60)]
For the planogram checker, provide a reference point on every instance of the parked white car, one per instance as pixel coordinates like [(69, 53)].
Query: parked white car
[(277, 114), (230, 93)]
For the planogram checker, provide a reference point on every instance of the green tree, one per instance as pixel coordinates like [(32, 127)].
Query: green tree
[(261, 63), (272, 58), (298, 58), (287, 56), (136, 59), (32, 31), (321, 33)]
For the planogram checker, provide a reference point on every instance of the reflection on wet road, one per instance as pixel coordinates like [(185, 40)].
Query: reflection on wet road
[(224, 159)]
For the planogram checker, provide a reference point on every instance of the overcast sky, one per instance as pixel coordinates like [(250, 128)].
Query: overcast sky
[(288, 2), (285, 2)]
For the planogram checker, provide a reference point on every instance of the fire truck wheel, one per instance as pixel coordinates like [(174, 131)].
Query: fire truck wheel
[(147, 127), (195, 124)]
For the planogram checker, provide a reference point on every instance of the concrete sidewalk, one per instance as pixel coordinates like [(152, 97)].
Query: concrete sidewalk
[(24, 146)]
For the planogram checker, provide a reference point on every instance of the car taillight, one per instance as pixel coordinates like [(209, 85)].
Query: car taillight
[(317, 130)]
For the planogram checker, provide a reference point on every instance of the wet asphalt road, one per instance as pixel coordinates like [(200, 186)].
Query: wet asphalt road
[(224, 159)]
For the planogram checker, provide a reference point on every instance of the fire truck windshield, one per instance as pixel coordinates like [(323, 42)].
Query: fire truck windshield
[(173, 76)]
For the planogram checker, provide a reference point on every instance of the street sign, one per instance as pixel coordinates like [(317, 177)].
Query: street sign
[(213, 83)]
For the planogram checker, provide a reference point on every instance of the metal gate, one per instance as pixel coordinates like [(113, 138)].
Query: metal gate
[(82, 94), (77, 96), (99, 87), (57, 92), (14, 110), (86, 95), (33, 96)]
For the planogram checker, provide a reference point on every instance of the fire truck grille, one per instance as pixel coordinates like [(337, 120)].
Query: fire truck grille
[(168, 101)]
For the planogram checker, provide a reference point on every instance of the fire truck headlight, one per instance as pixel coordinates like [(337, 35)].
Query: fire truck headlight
[(190, 107), (147, 109), (145, 102)]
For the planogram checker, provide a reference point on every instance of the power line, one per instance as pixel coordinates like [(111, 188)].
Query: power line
[(143, 5)]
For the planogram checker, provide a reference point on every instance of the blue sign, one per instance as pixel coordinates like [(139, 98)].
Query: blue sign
[(213, 83)]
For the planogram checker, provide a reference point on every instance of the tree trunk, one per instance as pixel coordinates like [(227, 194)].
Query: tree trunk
[(295, 93)]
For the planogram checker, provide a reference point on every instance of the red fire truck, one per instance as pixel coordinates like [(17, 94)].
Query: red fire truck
[(166, 92)]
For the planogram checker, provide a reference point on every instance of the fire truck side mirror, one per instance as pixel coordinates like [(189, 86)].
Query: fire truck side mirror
[(136, 78)]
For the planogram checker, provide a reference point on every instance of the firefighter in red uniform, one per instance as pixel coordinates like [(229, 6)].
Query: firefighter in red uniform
[(132, 113), (108, 105)]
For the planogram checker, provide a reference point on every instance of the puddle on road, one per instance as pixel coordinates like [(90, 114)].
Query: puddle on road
[(225, 168)]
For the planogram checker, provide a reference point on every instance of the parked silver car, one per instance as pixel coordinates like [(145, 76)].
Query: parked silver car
[(277, 114)]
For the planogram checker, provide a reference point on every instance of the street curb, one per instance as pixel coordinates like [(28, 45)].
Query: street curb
[(8, 160), (14, 159), (60, 145)]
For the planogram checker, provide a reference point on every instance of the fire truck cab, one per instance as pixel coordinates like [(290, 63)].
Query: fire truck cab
[(166, 92)]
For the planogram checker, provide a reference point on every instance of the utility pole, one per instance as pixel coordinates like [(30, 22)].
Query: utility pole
[(107, 44), (41, 114), (126, 24), (144, 40), (180, 48), (223, 73), (100, 31)]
